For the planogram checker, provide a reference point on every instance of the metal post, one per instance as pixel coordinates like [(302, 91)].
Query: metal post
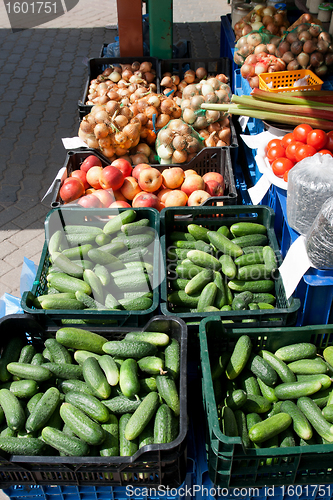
[(160, 28)]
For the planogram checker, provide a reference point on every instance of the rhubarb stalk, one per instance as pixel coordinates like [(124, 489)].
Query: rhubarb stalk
[(281, 98)]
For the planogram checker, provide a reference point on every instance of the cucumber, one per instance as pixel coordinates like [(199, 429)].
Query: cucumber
[(187, 270), (193, 245), (115, 224), (113, 248), (64, 370), (58, 352), (253, 249), (156, 338), (253, 272), (269, 259), (267, 298), (80, 356), (64, 283), (296, 390), (321, 397), (77, 239), (134, 227), (235, 399), (242, 427), (167, 389), (294, 352), (144, 239), (95, 378), (263, 370), (88, 301), (163, 425), (89, 405), (129, 349), (103, 274), (69, 446), (148, 384), (172, 358), (225, 231), (270, 427), (258, 286), (136, 304), (308, 366), (110, 445), (250, 258), (281, 368), (323, 379), (250, 240), (13, 410), (55, 242), (327, 413), (28, 371), (135, 254), (55, 302), (251, 420), (256, 404), (22, 388), (121, 404), (247, 228), (224, 245), (95, 284), (32, 403), (128, 378), (221, 295), (77, 338), (198, 282), (147, 435), (207, 297), (67, 266), (43, 410), (142, 416), (249, 383), (178, 283), (82, 228), (127, 448), (27, 353), (198, 232), (78, 252), (75, 385), (152, 365), (82, 425), (228, 266), (239, 357), (242, 301), (10, 353), (181, 298), (315, 417), (178, 235), (204, 259), (38, 359), (18, 446), (253, 306), (107, 259), (133, 282), (110, 369), (300, 423), (102, 239), (328, 354), (111, 302), (228, 421), (267, 391)]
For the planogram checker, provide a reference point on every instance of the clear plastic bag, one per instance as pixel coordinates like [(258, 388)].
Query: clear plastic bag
[(310, 184), (319, 240), (177, 142)]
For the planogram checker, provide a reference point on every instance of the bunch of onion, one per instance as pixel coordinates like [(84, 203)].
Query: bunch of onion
[(217, 134), (155, 110), (253, 44), (307, 47), (177, 143), (262, 16), (142, 153), (172, 83), (255, 64)]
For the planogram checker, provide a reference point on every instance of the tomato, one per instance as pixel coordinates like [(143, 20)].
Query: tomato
[(286, 139), (275, 152), (325, 152), (301, 131), (291, 150), (317, 138), (329, 143), (281, 165), (272, 143), (303, 151), (285, 176)]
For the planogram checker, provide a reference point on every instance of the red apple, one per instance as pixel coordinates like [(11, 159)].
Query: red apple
[(192, 183), (90, 161), (162, 195), (90, 201), (119, 195), (214, 176), (111, 177), (197, 197), (120, 204), (173, 177), (146, 200), (81, 174), (190, 172), (130, 188), (93, 176), (214, 188), (105, 196), (137, 169), (90, 190), (124, 166), (71, 190), (176, 198), (150, 179)]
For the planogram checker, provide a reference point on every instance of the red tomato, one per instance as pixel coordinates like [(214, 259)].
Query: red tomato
[(275, 152), (317, 138), (291, 150), (285, 176), (281, 165), (329, 143), (303, 151), (286, 139), (301, 131), (325, 152), (272, 143)]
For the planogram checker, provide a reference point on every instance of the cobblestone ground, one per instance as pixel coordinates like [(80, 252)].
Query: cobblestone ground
[(43, 72)]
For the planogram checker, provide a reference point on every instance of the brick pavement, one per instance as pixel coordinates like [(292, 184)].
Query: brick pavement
[(42, 77)]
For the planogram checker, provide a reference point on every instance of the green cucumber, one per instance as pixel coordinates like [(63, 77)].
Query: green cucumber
[(156, 338), (22, 388), (328, 354), (128, 378), (321, 397), (75, 385), (55, 302), (251, 286), (102, 273), (224, 245), (198, 232), (193, 245), (178, 283), (115, 224), (327, 413), (144, 239), (55, 242), (126, 448), (281, 368), (133, 255), (95, 378), (129, 349), (77, 338), (58, 352), (153, 365), (295, 390), (79, 239), (121, 404), (148, 384), (221, 296), (325, 380), (249, 383), (81, 355), (89, 405), (102, 239), (308, 366), (110, 445), (267, 391), (267, 298), (270, 427), (207, 297), (228, 421), (172, 358), (300, 423), (256, 404), (187, 270), (294, 352), (43, 410), (147, 435), (110, 369), (82, 228), (253, 306), (252, 249), (107, 259), (29, 371), (178, 235), (142, 416), (13, 410), (198, 282), (235, 399), (82, 425), (113, 247), (163, 425), (239, 357), (263, 370), (64, 283), (180, 298), (253, 272), (247, 228), (168, 391), (67, 266), (225, 231), (241, 301), (69, 446), (250, 240), (19, 446), (27, 353), (269, 259), (315, 417), (134, 227), (250, 258), (136, 304), (88, 301), (64, 370), (251, 420), (111, 302), (242, 428), (95, 284), (228, 266), (133, 282), (204, 259), (10, 353), (78, 252)]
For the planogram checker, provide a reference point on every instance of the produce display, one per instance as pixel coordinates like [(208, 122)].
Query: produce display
[(231, 268), (122, 185), (274, 399), (83, 394), (104, 267)]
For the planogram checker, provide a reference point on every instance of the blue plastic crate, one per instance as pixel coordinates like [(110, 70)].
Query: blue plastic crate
[(227, 43)]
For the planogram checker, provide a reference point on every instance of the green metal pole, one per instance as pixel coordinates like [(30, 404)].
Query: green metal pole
[(160, 28)]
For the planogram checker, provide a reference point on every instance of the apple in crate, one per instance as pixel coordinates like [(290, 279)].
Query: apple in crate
[(150, 179), (105, 196), (190, 172), (111, 177), (71, 189), (119, 196), (144, 199), (130, 188), (214, 188), (173, 177), (177, 198), (124, 166), (93, 175), (90, 201), (214, 176), (192, 183), (120, 204), (82, 176), (137, 169), (197, 198), (90, 161)]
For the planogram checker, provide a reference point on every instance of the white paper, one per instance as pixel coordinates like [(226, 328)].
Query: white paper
[(294, 266), (58, 176), (73, 143), (258, 191), (259, 140), (243, 122), (265, 168)]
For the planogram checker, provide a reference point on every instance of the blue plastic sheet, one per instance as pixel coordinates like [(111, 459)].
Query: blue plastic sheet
[(9, 304)]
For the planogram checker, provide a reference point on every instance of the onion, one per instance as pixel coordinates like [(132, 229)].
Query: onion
[(165, 136), (222, 78), (257, 25), (207, 89), (115, 76), (260, 68), (126, 112), (164, 152), (143, 148), (225, 134), (189, 76), (162, 120), (268, 11), (222, 96), (211, 97), (267, 20), (186, 103), (283, 47), (316, 59), (288, 57), (179, 143), (325, 36), (254, 81), (150, 111), (145, 66), (296, 47), (329, 59), (201, 73), (214, 83), (252, 59), (247, 29), (293, 65), (105, 142), (120, 121), (185, 130), (135, 66), (167, 106), (322, 46), (139, 158), (322, 70), (302, 27), (193, 145), (175, 79), (279, 19), (200, 122), (92, 142), (177, 113), (261, 48), (189, 116), (304, 35), (132, 130), (167, 81), (309, 46), (210, 141), (190, 91), (179, 156), (149, 77), (113, 95), (195, 102), (101, 116), (212, 116), (143, 118)]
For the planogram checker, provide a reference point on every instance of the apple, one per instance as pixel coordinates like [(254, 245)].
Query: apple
[(71, 190), (90, 190), (130, 188), (93, 176), (150, 179), (90, 201), (137, 169), (90, 161), (162, 195), (124, 166), (119, 195), (111, 177), (214, 188), (214, 176), (105, 196), (173, 177), (190, 172), (197, 198), (192, 183), (81, 174), (144, 199), (120, 204), (176, 198)]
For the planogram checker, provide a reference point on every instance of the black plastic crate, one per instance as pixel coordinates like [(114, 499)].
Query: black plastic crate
[(152, 465), (96, 66)]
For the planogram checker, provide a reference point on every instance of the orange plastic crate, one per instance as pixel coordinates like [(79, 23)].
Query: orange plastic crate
[(283, 81)]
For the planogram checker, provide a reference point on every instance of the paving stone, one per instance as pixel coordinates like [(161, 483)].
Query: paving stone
[(7, 231), (13, 276), (8, 194), (7, 248), (4, 269), (23, 237), (30, 216)]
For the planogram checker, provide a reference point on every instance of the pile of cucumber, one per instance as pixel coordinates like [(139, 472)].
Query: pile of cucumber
[(231, 269), (86, 395), (101, 268), (275, 399)]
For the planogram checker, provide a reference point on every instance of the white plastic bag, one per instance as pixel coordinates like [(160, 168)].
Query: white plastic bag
[(319, 240)]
